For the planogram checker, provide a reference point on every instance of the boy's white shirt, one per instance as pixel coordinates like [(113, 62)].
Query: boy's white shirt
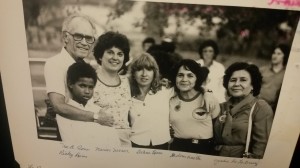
[(90, 133)]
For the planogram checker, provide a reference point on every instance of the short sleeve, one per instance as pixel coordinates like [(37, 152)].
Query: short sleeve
[(55, 78)]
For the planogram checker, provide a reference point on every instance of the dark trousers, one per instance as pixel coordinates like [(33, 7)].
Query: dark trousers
[(201, 146), (161, 146)]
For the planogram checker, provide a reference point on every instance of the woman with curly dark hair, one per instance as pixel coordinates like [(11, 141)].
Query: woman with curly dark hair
[(191, 121), (243, 83), (112, 92)]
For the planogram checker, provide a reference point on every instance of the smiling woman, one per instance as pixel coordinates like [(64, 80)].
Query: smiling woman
[(243, 83), (239, 84), (112, 92), (149, 114), (191, 121)]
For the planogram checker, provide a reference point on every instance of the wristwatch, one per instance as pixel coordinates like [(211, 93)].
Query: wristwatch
[(96, 116)]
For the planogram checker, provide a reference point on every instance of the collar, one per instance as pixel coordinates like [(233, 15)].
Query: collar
[(66, 56), (191, 99), (75, 104), (271, 69), (201, 62), (81, 106), (246, 103)]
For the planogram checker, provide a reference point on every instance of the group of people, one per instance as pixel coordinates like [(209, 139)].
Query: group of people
[(101, 107)]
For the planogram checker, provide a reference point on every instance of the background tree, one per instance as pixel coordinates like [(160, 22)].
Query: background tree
[(238, 30)]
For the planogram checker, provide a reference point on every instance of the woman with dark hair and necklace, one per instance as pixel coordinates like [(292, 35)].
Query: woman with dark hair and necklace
[(243, 82), (191, 121)]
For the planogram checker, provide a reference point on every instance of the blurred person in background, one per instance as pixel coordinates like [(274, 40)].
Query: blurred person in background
[(208, 52), (147, 43), (169, 45), (166, 58), (273, 75)]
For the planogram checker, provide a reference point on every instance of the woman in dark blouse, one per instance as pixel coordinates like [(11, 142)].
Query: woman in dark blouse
[(243, 82)]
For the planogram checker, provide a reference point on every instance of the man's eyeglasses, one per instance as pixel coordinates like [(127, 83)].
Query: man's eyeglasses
[(79, 37)]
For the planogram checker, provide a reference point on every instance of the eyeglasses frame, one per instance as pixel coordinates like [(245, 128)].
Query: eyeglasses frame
[(82, 37)]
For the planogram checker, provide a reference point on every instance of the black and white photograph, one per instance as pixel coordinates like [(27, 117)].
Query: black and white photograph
[(182, 80)]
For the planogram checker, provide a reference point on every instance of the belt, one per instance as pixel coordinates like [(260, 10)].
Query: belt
[(194, 141)]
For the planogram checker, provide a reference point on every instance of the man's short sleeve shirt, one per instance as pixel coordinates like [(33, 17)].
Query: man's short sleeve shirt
[(56, 71)]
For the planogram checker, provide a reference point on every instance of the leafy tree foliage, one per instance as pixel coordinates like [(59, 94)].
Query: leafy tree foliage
[(32, 9)]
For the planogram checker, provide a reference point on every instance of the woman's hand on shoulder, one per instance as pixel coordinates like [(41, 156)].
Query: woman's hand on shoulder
[(165, 82), (211, 101)]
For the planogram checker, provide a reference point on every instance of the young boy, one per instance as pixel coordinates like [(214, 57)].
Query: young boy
[(81, 80)]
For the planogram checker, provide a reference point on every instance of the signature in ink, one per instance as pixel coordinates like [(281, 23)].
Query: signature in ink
[(32, 166), (285, 2)]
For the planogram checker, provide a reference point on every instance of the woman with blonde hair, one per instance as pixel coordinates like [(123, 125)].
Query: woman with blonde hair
[(149, 114)]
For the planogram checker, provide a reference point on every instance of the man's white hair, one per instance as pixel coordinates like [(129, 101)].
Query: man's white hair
[(66, 23)]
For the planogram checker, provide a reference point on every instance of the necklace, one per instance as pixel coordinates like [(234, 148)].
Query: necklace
[(178, 106)]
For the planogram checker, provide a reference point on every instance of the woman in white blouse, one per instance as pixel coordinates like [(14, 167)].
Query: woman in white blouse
[(149, 114)]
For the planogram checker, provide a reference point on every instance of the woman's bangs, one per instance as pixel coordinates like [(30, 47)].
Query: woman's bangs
[(145, 63)]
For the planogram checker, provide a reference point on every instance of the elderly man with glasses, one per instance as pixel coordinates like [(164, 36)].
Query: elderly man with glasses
[(78, 35)]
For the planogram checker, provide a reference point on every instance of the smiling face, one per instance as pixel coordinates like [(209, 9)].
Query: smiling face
[(82, 90), (185, 80), (144, 77), (112, 59), (239, 84), (78, 49), (277, 57)]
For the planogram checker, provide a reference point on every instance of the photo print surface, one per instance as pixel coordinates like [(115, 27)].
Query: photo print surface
[(170, 81)]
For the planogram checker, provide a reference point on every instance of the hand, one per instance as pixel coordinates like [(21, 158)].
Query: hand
[(250, 155), (165, 82), (172, 132), (105, 119), (210, 100)]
